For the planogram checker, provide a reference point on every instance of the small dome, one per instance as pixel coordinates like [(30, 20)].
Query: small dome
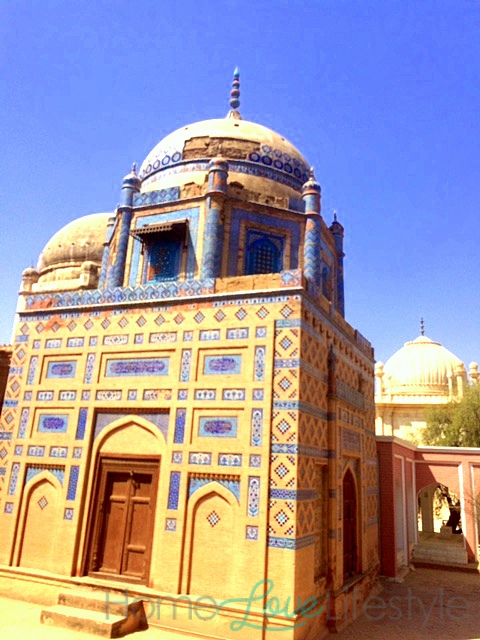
[(422, 367), (77, 242), (183, 156)]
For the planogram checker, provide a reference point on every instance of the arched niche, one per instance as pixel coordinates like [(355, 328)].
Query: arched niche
[(40, 539), (213, 537)]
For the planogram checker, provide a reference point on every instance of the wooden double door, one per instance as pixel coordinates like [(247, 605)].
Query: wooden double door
[(122, 519)]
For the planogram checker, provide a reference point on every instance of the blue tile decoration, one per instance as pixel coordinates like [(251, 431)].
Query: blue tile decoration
[(93, 341), (6, 435), (163, 195), (22, 429), (238, 334), (8, 402), (138, 338), (116, 340), (230, 459), (163, 337), (27, 396), (76, 343), (290, 543), (21, 339), (232, 483), (222, 365), (72, 482), (180, 420), (185, 365), (34, 469), (174, 490), (89, 368), (261, 332), (36, 344), (292, 494), (32, 369), (171, 524), (137, 367), (253, 508), (19, 450), (8, 508), (12, 487), (36, 451), (132, 394), (44, 396), (3, 471), (81, 423), (197, 457), (209, 334), (258, 394), (205, 394), (187, 336), (15, 371), (52, 423), (67, 396), (259, 364), (177, 457), (68, 514), (182, 394), (58, 452), (86, 395), (256, 428), (255, 461), (218, 427), (109, 394), (251, 533), (77, 452), (141, 293), (53, 343), (64, 369), (237, 395)]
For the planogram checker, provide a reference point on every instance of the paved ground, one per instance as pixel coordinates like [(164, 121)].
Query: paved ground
[(429, 604)]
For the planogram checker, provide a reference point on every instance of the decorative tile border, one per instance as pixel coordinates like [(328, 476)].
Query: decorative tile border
[(253, 508), (232, 483), (72, 482), (197, 457), (174, 490), (180, 421), (230, 459), (256, 428), (53, 423), (64, 369)]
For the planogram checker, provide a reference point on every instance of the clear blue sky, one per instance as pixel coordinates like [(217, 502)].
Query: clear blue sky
[(382, 97)]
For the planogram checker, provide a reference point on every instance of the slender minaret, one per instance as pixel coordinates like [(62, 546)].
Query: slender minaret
[(131, 186), (312, 244)]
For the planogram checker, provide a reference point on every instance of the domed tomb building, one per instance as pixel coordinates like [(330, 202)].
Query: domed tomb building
[(421, 374), (187, 408)]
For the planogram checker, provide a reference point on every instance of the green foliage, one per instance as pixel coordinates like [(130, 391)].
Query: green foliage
[(456, 424)]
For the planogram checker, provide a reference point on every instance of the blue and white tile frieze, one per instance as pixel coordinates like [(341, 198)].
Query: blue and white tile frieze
[(218, 427), (223, 365)]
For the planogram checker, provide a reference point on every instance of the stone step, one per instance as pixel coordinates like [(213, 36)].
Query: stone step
[(106, 601), (94, 622)]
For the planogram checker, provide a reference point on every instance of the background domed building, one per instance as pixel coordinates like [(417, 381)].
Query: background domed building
[(420, 374), (187, 408)]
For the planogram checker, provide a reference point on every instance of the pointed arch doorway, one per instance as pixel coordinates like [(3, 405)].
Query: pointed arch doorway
[(349, 526), (123, 519)]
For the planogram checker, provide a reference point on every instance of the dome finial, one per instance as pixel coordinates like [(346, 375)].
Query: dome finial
[(235, 95), (334, 216), (422, 327), (134, 168)]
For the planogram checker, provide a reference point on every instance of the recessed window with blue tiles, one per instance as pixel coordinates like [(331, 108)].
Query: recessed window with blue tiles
[(264, 253), (164, 256)]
